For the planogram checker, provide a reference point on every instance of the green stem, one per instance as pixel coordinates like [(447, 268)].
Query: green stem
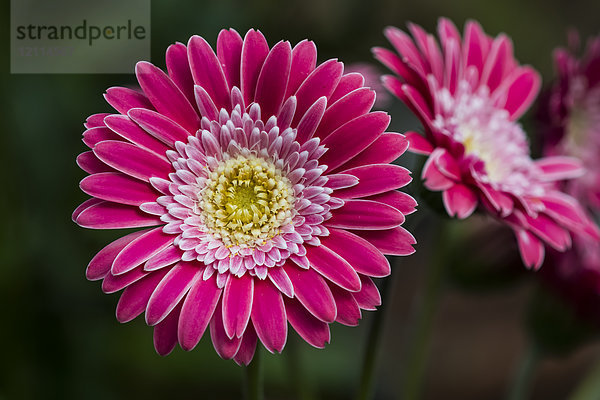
[(426, 306), (522, 383), (254, 378), (365, 390)]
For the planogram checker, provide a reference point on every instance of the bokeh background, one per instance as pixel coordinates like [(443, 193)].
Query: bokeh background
[(58, 335)]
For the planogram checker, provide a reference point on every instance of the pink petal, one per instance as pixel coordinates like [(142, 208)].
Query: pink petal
[(418, 144), (282, 281), (531, 249), (459, 201), (394, 242), (375, 179), (237, 304), (399, 200), (107, 215), (178, 68), (341, 181), (93, 136), (114, 283), (365, 214), (560, 168), (88, 162), (314, 331), (312, 291), (197, 311), (385, 149), (311, 119), (321, 82), (268, 316), (165, 333), (254, 53), (496, 64), (433, 178), (170, 291), (273, 79), (167, 256), (226, 348), (333, 267), (348, 83), (364, 257), (135, 297), (247, 347), (348, 310), (159, 126), (102, 261), (474, 46), (124, 99), (304, 60), (549, 231), (140, 250), (118, 188), (368, 298), (229, 51), (127, 129), (352, 105), (353, 137), (166, 96), (132, 160), (95, 120), (522, 91), (206, 71)]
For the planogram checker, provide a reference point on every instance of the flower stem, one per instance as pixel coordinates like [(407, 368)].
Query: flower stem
[(254, 378), (426, 306), (522, 383), (365, 390)]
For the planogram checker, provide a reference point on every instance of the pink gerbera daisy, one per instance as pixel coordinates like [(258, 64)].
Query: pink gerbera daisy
[(468, 96), (265, 181)]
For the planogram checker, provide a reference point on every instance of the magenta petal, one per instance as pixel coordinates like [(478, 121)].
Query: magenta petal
[(385, 149), (352, 105), (459, 201), (549, 231), (118, 188), (446, 164), (126, 128), (229, 51), (273, 79), (522, 91), (237, 304), (560, 167), (348, 83), (166, 96), (167, 256), (531, 249), (341, 181), (124, 99), (135, 297), (226, 348), (348, 310), (333, 267), (282, 281), (365, 214), (254, 53), (95, 120), (312, 291), (433, 179), (88, 162), (364, 257), (107, 215), (315, 332), (375, 179), (159, 126), (197, 311), (207, 71), (268, 316), (399, 200), (132, 160), (178, 68), (395, 242), (309, 122), (114, 283), (165, 333), (304, 60), (368, 298), (93, 136), (140, 250), (247, 347), (321, 82), (102, 261), (353, 137), (418, 144), (170, 291)]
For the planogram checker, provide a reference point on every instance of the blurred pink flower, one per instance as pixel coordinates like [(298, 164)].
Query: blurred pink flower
[(372, 80), (468, 96), (266, 185)]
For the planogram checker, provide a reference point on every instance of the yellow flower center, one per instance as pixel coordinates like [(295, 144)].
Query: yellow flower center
[(245, 201)]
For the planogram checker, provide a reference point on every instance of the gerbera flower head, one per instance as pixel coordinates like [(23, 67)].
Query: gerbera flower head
[(469, 93), (263, 185)]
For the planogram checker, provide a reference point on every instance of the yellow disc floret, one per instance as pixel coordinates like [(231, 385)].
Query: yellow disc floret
[(245, 201)]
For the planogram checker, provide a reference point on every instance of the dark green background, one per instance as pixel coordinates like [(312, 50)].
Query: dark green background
[(58, 335)]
